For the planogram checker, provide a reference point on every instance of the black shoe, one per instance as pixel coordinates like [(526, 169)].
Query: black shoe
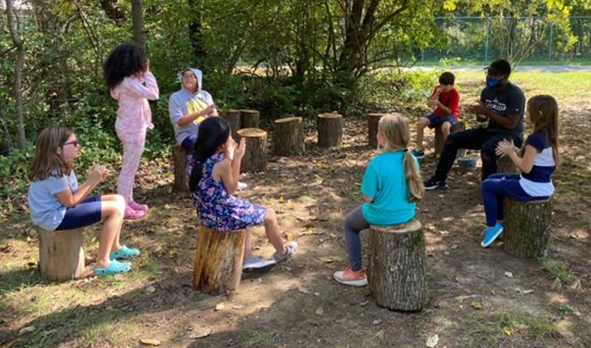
[(433, 184)]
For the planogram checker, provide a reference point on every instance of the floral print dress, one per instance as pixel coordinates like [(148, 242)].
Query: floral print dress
[(215, 207)]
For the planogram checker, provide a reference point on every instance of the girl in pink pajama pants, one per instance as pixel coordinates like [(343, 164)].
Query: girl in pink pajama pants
[(128, 75)]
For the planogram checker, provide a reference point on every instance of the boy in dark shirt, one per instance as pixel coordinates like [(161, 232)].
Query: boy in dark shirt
[(502, 104), (446, 101)]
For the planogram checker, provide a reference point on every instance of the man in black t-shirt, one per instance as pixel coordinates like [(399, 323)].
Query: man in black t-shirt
[(502, 104)]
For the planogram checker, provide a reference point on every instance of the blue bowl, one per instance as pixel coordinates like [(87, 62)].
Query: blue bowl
[(468, 162)]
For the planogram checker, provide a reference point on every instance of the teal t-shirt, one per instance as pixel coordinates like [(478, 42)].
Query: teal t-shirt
[(384, 182)]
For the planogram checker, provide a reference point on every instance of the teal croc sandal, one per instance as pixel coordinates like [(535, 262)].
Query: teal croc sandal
[(115, 267), (124, 253)]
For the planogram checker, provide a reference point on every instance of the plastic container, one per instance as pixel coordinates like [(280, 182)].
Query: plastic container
[(468, 162)]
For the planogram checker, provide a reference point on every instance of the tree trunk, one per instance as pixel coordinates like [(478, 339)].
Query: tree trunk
[(233, 118), (527, 227), (179, 161), (255, 158), (218, 265), (372, 127), (18, 71), (196, 36), (139, 31), (289, 136), (505, 165), (249, 119), (113, 11), (61, 254), (330, 130), (398, 266), (439, 141)]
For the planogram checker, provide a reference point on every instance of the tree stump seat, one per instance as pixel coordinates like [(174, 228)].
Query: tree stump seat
[(527, 227), (330, 130), (289, 136), (397, 266), (61, 254), (233, 117), (249, 118), (439, 141), (373, 119), (255, 158), (179, 162), (218, 265)]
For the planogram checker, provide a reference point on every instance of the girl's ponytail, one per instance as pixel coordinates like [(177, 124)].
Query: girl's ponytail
[(416, 189)]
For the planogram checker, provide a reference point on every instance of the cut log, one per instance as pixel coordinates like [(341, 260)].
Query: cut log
[(372, 128), (255, 158), (289, 136), (439, 141), (506, 165), (249, 119), (527, 227), (218, 265), (61, 254), (179, 161), (233, 118), (397, 266), (330, 130)]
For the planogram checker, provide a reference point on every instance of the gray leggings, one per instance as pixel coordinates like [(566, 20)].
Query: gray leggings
[(355, 223)]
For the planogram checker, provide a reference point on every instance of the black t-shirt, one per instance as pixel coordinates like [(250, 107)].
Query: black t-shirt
[(508, 100)]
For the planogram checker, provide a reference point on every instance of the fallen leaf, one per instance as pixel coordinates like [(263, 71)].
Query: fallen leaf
[(476, 305), (303, 290), (509, 274), (281, 200), (219, 306), (507, 330), (316, 294), (365, 303), (26, 329), (237, 306), (150, 289), (377, 322), (200, 333), (557, 284), (432, 341), (320, 311), (576, 285), (150, 342), (380, 334)]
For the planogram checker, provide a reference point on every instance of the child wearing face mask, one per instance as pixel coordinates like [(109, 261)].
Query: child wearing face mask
[(446, 101)]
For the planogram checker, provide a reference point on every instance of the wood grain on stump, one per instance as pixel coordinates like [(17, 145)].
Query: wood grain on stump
[(527, 227), (255, 158), (439, 142), (397, 266), (289, 136), (373, 120), (179, 162), (61, 254), (218, 265), (249, 119), (330, 130), (233, 118)]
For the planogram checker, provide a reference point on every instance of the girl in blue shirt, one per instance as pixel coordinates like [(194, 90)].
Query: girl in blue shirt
[(391, 186), (536, 161)]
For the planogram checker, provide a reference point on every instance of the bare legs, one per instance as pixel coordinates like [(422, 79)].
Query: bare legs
[(112, 211)]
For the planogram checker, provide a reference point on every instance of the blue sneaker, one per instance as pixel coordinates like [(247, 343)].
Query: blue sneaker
[(491, 234), (419, 154)]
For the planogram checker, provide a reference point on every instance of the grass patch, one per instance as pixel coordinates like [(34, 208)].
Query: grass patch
[(257, 339), (558, 270)]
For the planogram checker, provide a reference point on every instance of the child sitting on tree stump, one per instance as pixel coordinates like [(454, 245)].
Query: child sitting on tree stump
[(536, 161), (213, 172), (391, 186)]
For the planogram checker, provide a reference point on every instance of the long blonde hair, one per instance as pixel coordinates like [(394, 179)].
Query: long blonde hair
[(543, 110), (47, 159), (397, 132)]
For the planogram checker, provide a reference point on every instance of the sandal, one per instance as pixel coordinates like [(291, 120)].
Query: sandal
[(115, 267), (137, 206), (124, 253), (132, 214)]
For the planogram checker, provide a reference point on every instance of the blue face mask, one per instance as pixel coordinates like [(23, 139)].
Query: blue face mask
[(491, 82)]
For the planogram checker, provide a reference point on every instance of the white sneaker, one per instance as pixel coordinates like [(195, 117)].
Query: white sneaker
[(292, 248), (242, 186)]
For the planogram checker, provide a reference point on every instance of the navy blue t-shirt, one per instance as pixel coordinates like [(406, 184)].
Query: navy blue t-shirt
[(509, 100)]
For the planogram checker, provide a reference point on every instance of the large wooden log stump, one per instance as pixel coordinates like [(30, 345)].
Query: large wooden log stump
[(330, 130), (218, 265), (506, 165), (289, 136), (255, 158), (179, 162), (439, 141), (233, 118), (249, 118), (61, 254), (527, 227), (397, 266), (372, 128)]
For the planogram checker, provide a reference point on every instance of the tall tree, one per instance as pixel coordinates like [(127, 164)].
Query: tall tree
[(13, 27), (139, 31)]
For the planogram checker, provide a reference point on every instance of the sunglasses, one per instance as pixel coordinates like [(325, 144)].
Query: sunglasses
[(76, 143)]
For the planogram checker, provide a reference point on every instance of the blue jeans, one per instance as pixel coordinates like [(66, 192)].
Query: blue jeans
[(494, 190), (189, 143), (437, 121), (354, 223)]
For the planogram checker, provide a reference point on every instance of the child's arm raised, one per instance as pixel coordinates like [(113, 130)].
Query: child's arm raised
[(149, 91), (524, 164), (230, 169), (70, 199)]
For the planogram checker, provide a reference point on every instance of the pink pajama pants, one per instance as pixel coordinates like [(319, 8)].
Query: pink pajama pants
[(133, 147)]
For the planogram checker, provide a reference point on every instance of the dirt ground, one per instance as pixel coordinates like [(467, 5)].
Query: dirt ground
[(477, 297)]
